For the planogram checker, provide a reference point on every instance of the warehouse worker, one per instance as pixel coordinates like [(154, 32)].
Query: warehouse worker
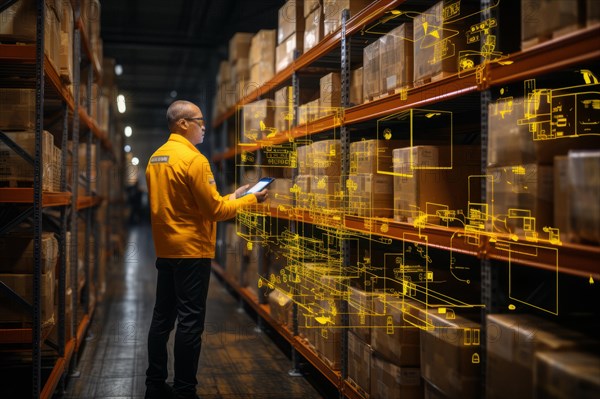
[(184, 206)]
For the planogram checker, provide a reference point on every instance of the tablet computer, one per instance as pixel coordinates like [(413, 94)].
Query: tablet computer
[(261, 185)]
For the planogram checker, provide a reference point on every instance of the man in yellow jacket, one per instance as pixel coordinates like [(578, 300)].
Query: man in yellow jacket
[(184, 207)]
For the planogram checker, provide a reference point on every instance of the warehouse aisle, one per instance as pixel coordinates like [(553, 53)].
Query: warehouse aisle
[(236, 362)]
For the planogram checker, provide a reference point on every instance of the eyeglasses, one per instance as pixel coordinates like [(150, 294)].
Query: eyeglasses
[(201, 123)]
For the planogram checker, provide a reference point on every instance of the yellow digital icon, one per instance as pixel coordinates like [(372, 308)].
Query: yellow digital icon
[(475, 358), (511, 307)]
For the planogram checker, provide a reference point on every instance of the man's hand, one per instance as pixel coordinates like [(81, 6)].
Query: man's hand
[(239, 192), (261, 196)]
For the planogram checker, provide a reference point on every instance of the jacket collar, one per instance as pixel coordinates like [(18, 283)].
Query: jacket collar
[(180, 139)]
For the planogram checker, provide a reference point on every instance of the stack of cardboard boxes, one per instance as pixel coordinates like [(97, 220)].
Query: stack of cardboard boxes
[(262, 57), (313, 24), (290, 34)]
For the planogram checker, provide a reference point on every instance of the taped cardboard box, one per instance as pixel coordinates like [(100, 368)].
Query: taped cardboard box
[(22, 285), (451, 353), (291, 20), (396, 52), (326, 158), (258, 120), (330, 90), (512, 344), (393, 337), (372, 71), (281, 308), (239, 46), (17, 109), (262, 47), (65, 52), (373, 156), (240, 71), (313, 33), (16, 253), (359, 364), (370, 195), (584, 198), (391, 381), (565, 375), (360, 308), (332, 9), (284, 54)]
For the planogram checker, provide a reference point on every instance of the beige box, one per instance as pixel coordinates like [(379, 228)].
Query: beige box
[(329, 345), (356, 86), (370, 195), (280, 192), (304, 154), (332, 9), (393, 338), (584, 197), (512, 343), (291, 20), (302, 191), (280, 305), (373, 156), (239, 46), (326, 158), (520, 197), (284, 109), (391, 381), (359, 364), (65, 53), (566, 375), (360, 308), (330, 90), (16, 253), (542, 20), (262, 47), (326, 191), (240, 71), (258, 119), (396, 59), (439, 38), (451, 353), (22, 285), (372, 71), (16, 171), (17, 109), (260, 74), (313, 33), (310, 6), (284, 54)]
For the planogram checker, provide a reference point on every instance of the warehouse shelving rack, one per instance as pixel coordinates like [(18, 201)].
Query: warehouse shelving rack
[(30, 62), (567, 51)]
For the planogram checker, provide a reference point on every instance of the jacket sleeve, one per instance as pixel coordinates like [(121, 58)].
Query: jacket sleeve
[(211, 204)]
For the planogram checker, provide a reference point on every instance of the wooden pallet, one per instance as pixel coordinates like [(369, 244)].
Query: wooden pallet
[(433, 78)]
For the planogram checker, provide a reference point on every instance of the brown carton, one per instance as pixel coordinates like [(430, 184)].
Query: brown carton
[(314, 29), (17, 109), (370, 195), (239, 46), (281, 308), (391, 381), (258, 120), (359, 364), (302, 191), (371, 71), (284, 54), (326, 191), (280, 192), (373, 156), (356, 86), (566, 375), (310, 6), (396, 52), (584, 197), (542, 20), (291, 20), (22, 285), (332, 9), (304, 159), (360, 308), (330, 90), (592, 12), (16, 253), (326, 158), (262, 47)]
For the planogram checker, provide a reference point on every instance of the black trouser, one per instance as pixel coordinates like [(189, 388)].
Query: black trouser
[(181, 292)]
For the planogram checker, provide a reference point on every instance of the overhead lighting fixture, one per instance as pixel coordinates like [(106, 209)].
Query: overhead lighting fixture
[(135, 161), (118, 70), (173, 94), (127, 148), (128, 131), (121, 104)]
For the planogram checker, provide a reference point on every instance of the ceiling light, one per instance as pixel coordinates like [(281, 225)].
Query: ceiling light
[(173, 94), (118, 70), (135, 161), (128, 131), (127, 148), (121, 104)]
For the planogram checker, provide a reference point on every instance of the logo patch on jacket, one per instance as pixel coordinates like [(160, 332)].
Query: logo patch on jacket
[(160, 159)]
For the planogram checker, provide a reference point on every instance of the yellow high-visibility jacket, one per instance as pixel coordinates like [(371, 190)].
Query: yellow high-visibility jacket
[(184, 202)]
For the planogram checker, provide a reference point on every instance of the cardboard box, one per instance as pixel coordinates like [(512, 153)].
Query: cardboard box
[(391, 381), (291, 20), (285, 108), (239, 46), (314, 29), (302, 191), (360, 308), (359, 364), (240, 71), (310, 6), (356, 86), (584, 198), (509, 142), (258, 120), (513, 340), (326, 191), (520, 197), (332, 9), (330, 90), (280, 192), (22, 285), (16, 253), (592, 12), (326, 158), (566, 375), (284, 54), (281, 308), (450, 353), (260, 74), (65, 53), (562, 204), (17, 109), (371, 71), (262, 47), (396, 52), (304, 154), (393, 338), (16, 171), (439, 38), (370, 195), (373, 156), (224, 74), (542, 20)]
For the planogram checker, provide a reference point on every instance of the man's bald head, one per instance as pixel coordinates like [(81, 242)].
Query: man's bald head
[(179, 109)]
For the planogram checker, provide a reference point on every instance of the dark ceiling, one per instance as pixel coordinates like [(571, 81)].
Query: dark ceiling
[(168, 47)]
